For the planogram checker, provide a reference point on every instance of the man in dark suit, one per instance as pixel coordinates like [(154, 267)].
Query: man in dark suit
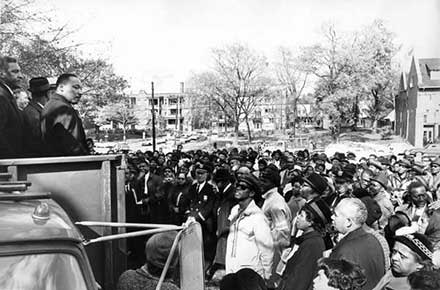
[(61, 126), (225, 202), (201, 207), (133, 205), (39, 88), (11, 120), (149, 188), (357, 246)]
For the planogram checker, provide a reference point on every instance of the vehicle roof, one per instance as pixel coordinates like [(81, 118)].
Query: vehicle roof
[(17, 223)]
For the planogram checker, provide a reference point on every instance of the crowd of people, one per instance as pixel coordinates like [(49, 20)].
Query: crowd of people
[(270, 220), (296, 220)]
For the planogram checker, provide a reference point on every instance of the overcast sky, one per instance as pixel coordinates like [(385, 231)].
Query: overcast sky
[(166, 40)]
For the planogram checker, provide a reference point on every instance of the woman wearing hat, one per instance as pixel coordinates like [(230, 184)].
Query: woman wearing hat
[(411, 252), (249, 243), (301, 265)]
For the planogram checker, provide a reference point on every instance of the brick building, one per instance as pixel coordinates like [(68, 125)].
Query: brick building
[(417, 104)]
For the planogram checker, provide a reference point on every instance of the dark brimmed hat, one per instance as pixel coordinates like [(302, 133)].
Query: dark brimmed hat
[(38, 85), (158, 248), (384, 161), (317, 182), (418, 169), (382, 179), (251, 181), (351, 155), (419, 243), (376, 164), (348, 172), (206, 166), (320, 209), (404, 162)]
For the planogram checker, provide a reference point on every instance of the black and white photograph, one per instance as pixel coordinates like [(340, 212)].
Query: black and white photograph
[(219, 145)]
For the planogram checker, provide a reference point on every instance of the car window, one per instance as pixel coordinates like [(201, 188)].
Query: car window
[(41, 272)]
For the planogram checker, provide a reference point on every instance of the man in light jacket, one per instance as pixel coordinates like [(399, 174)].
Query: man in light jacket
[(249, 243)]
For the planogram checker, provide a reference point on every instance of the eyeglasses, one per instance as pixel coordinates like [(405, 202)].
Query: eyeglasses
[(200, 172), (242, 186)]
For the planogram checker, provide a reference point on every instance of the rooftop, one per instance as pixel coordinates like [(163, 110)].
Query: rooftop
[(429, 72)]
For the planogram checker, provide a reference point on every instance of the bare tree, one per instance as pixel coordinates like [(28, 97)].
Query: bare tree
[(240, 82), (292, 73)]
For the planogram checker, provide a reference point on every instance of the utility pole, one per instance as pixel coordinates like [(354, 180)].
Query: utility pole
[(179, 107), (178, 116), (153, 117)]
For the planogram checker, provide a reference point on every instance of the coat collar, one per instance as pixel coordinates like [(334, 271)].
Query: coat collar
[(36, 105), (61, 98), (5, 86), (270, 192), (251, 209), (228, 192), (354, 234), (310, 235)]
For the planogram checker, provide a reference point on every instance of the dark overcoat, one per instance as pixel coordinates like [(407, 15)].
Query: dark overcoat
[(33, 139), (62, 128), (201, 207), (154, 207), (302, 267), (11, 125), (363, 249), (224, 204)]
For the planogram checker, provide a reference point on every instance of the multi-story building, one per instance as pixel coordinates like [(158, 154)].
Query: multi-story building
[(273, 112), (170, 109), (417, 104)]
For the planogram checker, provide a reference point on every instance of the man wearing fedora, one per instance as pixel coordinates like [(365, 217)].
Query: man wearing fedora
[(11, 119), (39, 88)]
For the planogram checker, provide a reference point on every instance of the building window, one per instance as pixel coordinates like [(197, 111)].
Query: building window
[(171, 122), (173, 111), (425, 118), (133, 101), (172, 101)]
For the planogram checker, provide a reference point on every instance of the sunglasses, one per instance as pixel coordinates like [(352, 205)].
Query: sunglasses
[(242, 186)]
